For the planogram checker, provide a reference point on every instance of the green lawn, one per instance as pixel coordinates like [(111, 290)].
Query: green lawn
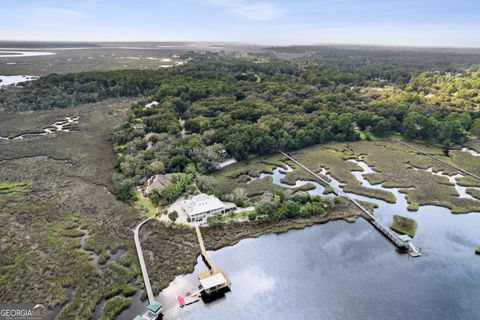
[(145, 204)]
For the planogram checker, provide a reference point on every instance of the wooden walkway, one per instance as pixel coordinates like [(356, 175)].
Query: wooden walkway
[(143, 266), (212, 266), (377, 223), (440, 160)]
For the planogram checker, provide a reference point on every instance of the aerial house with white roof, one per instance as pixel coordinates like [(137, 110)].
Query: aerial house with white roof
[(203, 205)]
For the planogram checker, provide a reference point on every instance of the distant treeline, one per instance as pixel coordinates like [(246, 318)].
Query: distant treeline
[(394, 64)]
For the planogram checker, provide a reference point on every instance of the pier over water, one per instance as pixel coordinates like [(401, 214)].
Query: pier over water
[(404, 242), (214, 279)]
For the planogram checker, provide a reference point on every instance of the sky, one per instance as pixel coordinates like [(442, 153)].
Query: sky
[(267, 22)]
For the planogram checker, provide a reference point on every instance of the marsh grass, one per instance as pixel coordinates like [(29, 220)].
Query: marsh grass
[(54, 188), (396, 166), (404, 225)]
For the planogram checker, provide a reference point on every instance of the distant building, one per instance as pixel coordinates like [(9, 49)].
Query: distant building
[(138, 126), (151, 104), (203, 205), (157, 183)]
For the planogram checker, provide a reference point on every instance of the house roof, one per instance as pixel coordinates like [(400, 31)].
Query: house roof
[(151, 104), (157, 182), (202, 203), (213, 281), (155, 306)]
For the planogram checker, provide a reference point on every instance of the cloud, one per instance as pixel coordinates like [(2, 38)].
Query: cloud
[(251, 10)]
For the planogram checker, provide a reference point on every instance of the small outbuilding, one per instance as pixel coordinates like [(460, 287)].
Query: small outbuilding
[(214, 283)]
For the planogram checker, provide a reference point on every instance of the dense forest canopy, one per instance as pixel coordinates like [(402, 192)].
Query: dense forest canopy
[(244, 105)]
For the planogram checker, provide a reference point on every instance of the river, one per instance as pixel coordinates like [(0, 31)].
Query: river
[(8, 80), (19, 54), (347, 271)]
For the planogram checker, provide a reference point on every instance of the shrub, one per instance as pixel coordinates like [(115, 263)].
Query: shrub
[(337, 200), (173, 216)]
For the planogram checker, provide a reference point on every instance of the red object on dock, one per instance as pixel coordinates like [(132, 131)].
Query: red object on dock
[(180, 301)]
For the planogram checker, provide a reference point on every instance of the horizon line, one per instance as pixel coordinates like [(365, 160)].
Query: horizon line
[(379, 45)]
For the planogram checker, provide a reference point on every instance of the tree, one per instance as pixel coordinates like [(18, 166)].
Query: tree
[(239, 196), (451, 132), (266, 207), (154, 197), (475, 128), (123, 186), (175, 187), (252, 215), (417, 126), (173, 216), (156, 167), (382, 127), (206, 183)]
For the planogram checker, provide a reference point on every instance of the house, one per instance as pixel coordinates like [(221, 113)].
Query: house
[(138, 126), (157, 183), (203, 205)]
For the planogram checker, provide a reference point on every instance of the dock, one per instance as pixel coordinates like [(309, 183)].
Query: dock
[(214, 279), (154, 308), (403, 242), (463, 171), (143, 266)]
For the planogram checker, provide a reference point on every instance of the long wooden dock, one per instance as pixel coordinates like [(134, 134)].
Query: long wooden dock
[(214, 279), (143, 266), (439, 160), (211, 264), (400, 242)]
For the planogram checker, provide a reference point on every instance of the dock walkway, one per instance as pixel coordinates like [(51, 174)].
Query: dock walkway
[(143, 266), (211, 264), (214, 271), (440, 160), (377, 223)]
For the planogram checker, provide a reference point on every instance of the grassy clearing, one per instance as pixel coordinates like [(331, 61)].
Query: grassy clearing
[(145, 204), (404, 225)]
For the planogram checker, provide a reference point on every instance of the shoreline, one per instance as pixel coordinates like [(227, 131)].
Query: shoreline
[(222, 236)]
